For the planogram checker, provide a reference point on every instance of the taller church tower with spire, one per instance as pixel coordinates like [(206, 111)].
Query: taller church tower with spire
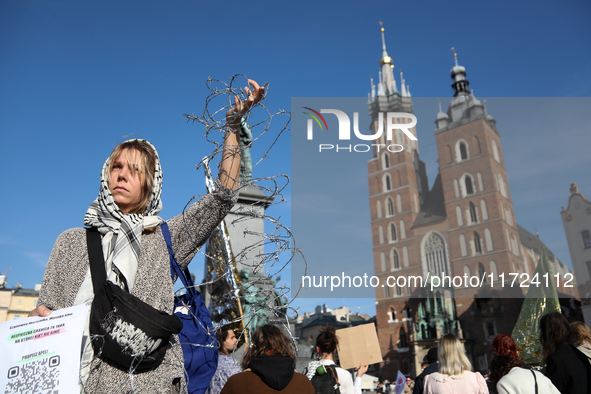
[(463, 225)]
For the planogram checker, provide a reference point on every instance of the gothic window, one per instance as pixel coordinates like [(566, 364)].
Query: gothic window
[(393, 236), (390, 207), (463, 245), (405, 257), (488, 239), (484, 209), (383, 261), (463, 151), (477, 247), (467, 271), (387, 183), (490, 330), (586, 239), (395, 261), (480, 182), (398, 291), (381, 234), (392, 314), (481, 271), (379, 208), (386, 292), (402, 230), (473, 217), (434, 254), (469, 186), (399, 203), (494, 270), (402, 338), (386, 160), (502, 186), (495, 151), (459, 215)]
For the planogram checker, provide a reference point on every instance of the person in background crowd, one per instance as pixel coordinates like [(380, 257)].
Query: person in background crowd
[(566, 366), (511, 377), (581, 338), (269, 367), (503, 345), (432, 366), (226, 365), (455, 375), (326, 345)]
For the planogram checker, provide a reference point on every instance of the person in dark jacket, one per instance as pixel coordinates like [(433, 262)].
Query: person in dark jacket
[(568, 368), (269, 367), (429, 369)]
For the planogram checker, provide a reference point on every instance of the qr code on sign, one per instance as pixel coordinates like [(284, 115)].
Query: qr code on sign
[(35, 377)]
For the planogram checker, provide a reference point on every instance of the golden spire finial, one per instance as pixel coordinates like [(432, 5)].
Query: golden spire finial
[(381, 27)]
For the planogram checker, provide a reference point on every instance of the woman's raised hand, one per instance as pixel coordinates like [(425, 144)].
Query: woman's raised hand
[(254, 96)]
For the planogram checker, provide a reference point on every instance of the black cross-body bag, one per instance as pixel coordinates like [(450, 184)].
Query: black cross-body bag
[(126, 332)]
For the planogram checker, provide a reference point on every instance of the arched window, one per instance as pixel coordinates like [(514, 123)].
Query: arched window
[(392, 314), (467, 271), (463, 151), (381, 234), (484, 209), (488, 239), (473, 217), (398, 291), (434, 254), (405, 257), (379, 208), (477, 247), (495, 151), (395, 261), (463, 245), (402, 342), (392, 232), (383, 261), (402, 230), (390, 207), (502, 186), (459, 215), (480, 182), (494, 270), (386, 160), (481, 271), (399, 203), (387, 292), (387, 183), (469, 186)]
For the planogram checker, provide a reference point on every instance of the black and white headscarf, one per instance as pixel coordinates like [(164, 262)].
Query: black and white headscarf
[(122, 232)]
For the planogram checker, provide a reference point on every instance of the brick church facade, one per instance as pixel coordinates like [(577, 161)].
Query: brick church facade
[(465, 224)]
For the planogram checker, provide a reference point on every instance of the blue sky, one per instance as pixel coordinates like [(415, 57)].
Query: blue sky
[(78, 76)]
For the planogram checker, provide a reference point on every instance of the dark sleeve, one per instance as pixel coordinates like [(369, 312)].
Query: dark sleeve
[(555, 373), (191, 229), (419, 383)]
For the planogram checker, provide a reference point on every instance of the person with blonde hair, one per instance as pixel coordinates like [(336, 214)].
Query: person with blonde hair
[(455, 371), (581, 337)]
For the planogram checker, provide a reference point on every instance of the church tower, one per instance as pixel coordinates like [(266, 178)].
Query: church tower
[(483, 235)]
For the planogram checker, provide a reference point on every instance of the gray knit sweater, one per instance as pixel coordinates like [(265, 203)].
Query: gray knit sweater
[(68, 265)]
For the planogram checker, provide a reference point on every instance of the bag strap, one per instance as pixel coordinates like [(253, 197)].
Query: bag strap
[(535, 380), (95, 258), (175, 269)]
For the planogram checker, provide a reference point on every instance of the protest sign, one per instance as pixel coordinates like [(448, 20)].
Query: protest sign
[(42, 354)]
